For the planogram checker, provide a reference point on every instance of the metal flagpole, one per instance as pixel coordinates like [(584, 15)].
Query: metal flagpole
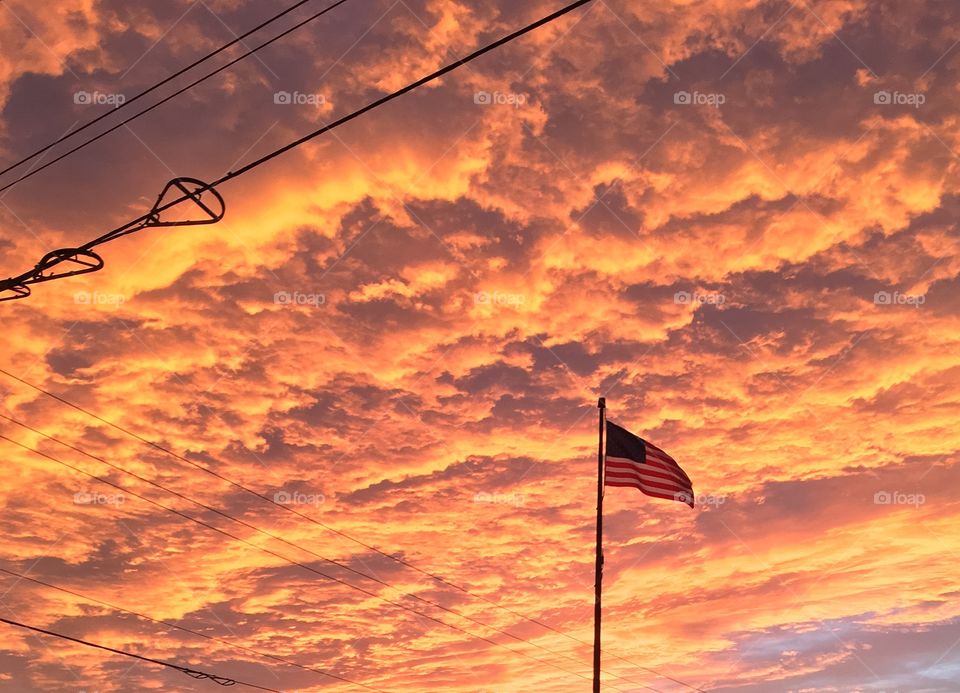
[(602, 406)]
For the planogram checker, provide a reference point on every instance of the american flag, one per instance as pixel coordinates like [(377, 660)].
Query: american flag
[(632, 461)]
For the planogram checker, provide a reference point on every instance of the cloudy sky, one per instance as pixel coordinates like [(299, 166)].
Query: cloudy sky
[(733, 219)]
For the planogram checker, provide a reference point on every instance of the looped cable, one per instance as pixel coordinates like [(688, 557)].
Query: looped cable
[(200, 675), (193, 191), (220, 681), (14, 292), (84, 260)]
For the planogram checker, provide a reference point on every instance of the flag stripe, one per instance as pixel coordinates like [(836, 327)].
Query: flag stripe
[(633, 462), (669, 483), (660, 456), (648, 482), (658, 494), (647, 473), (665, 461), (673, 469), (655, 494), (648, 467)]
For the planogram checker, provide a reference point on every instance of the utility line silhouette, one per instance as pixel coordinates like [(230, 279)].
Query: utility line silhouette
[(156, 86), (130, 119), (310, 519), (289, 543), (194, 195), (168, 624), (294, 562), (85, 260), (294, 545), (193, 673)]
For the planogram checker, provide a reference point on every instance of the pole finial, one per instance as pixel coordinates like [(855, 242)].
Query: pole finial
[(602, 403)]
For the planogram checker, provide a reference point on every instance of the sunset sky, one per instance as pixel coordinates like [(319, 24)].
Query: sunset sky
[(735, 220)]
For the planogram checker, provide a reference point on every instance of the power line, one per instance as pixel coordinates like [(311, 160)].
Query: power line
[(187, 630), (18, 284), (291, 544), (308, 518), (18, 287), (193, 673), (291, 561), (493, 603), (126, 121), (156, 86)]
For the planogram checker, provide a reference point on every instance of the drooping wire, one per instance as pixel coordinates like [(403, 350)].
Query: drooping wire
[(193, 673), (168, 624), (313, 521), (131, 227), (156, 86), (291, 544), (164, 100), (300, 564), (18, 286)]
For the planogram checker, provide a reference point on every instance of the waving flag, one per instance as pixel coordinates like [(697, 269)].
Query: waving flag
[(632, 461)]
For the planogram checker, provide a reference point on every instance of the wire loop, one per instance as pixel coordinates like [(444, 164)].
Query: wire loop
[(14, 292), (84, 261), (193, 191)]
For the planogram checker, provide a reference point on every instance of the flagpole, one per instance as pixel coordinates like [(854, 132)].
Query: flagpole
[(602, 406)]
